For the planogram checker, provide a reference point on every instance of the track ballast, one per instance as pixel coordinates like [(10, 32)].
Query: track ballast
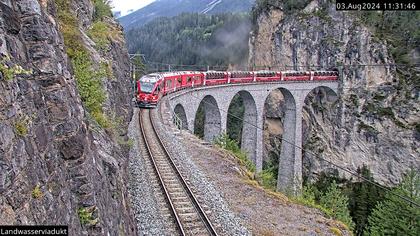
[(184, 214)]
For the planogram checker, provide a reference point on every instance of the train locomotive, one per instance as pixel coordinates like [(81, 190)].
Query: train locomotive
[(152, 87)]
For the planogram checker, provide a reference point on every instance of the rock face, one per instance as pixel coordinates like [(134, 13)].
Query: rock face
[(57, 166), (374, 122)]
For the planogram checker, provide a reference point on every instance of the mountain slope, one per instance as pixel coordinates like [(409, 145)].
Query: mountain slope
[(175, 7), (193, 39)]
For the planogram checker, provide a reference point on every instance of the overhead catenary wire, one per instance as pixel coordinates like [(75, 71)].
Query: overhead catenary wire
[(407, 199)]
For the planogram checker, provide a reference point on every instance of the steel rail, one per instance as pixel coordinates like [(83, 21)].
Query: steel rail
[(172, 207), (199, 210)]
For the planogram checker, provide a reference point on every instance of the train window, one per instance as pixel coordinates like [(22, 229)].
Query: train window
[(179, 80), (168, 83), (189, 79)]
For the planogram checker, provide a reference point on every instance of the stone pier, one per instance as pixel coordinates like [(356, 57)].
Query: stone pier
[(216, 101)]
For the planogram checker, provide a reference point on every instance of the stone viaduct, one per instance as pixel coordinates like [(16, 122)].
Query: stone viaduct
[(216, 101)]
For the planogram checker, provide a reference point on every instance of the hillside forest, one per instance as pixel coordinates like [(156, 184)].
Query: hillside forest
[(193, 41)]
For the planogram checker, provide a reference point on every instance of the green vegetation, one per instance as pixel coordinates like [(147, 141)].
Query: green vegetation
[(99, 34), (6, 71), (308, 199), (381, 112), (36, 192), (288, 6), (399, 29), (90, 87), (88, 76), (268, 176), (268, 179), (106, 68), (369, 129), (193, 39), (9, 72), (235, 119), (21, 128), (129, 143), (332, 202), (361, 196), (200, 117), (225, 142), (140, 68), (394, 216), (102, 33), (86, 216), (102, 9), (349, 201), (336, 231), (337, 203)]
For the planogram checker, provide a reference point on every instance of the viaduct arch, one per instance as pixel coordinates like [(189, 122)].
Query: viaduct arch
[(217, 99)]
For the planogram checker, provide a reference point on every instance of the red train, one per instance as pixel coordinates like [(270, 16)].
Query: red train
[(150, 88)]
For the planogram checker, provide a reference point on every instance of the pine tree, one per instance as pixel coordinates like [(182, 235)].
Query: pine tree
[(337, 203), (363, 198), (395, 216), (138, 66)]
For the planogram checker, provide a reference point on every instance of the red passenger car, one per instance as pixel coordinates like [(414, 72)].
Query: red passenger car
[(150, 88)]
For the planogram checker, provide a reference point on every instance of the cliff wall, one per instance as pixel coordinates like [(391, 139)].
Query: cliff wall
[(64, 110), (375, 120)]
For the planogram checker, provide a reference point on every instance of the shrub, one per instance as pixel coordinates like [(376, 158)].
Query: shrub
[(86, 216), (308, 198), (102, 9), (88, 80), (21, 128), (10, 71), (337, 203), (225, 142), (36, 192), (89, 84), (6, 71), (99, 33), (267, 179), (102, 33)]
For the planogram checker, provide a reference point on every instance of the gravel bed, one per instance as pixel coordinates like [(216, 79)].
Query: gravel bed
[(144, 203), (221, 216)]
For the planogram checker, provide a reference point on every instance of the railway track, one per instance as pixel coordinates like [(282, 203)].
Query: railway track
[(180, 209)]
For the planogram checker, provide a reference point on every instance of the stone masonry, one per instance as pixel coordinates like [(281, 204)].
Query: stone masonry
[(216, 101)]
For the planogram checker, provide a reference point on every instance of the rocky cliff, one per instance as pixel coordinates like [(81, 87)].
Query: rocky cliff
[(375, 120), (64, 110)]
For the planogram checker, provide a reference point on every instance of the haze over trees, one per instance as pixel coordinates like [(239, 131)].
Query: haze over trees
[(194, 39)]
